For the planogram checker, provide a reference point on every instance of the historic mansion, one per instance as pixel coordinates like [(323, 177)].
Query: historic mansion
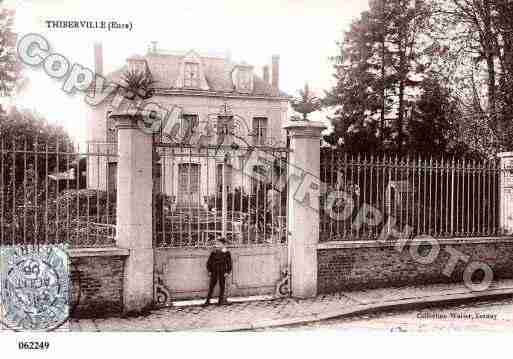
[(207, 87)]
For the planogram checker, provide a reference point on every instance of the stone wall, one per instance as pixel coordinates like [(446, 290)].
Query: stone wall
[(365, 265), (97, 281)]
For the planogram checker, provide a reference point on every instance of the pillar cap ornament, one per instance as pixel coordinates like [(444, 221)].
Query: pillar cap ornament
[(129, 119), (305, 129)]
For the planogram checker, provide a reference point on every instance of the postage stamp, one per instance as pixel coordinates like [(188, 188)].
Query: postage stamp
[(35, 288)]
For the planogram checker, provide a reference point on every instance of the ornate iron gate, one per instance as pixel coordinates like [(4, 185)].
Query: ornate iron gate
[(234, 192)]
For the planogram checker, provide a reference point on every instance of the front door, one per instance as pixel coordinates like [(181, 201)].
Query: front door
[(189, 183)]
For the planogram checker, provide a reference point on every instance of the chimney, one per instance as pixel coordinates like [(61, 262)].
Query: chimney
[(98, 58), (265, 74), (154, 46), (276, 71)]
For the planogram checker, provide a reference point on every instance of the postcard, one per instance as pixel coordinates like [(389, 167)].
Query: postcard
[(239, 166)]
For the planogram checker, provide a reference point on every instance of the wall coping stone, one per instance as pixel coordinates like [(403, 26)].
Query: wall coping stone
[(98, 252), (304, 129), (505, 154), (420, 241)]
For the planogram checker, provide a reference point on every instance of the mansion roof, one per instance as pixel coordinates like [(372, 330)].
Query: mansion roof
[(217, 71)]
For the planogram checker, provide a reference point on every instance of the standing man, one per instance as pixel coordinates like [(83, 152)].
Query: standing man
[(219, 266)]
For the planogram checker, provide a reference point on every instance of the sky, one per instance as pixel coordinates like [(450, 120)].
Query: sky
[(303, 32)]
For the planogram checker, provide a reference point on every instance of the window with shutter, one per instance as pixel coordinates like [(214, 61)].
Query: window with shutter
[(259, 131)]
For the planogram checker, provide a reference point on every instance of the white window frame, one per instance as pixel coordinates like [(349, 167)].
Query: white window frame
[(191, 82), (259, 131)]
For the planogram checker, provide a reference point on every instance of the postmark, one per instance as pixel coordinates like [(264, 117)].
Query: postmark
[(35, 288)]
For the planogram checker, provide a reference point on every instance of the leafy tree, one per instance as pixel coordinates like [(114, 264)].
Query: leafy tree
[(9, 67), (24, 132), (480, 38), (432, 127)]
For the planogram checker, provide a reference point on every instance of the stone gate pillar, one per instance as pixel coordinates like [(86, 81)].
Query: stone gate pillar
[(506, 193), (303, 209), (134, 211)]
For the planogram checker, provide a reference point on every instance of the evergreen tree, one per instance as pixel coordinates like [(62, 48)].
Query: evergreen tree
[(408, 20), (379, 68), (358, 95), (432, 129)]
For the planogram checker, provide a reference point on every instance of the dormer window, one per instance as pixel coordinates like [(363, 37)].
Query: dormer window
[(138, 64), (245, 80), (191, 75), (242, 77)]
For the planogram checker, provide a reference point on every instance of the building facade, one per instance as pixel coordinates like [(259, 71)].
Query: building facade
[(229, 101)]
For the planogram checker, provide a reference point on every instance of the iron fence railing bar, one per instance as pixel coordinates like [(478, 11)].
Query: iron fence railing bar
[(36, 194), (371, 187), (41, 184), (465, 204), (91, 182), (457, 201), (2, 214), (429, 230), (67, 168), (213, 199), (68, 200), (435, 211), (440, 197), (25, 179), (494, 197), (408, 191), (78, 177), (480, 201), (474, 192), (57, 214), (328, 172), (47, 192), (13, 181), (489, 198)]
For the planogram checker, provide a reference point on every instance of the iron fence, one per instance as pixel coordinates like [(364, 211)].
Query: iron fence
[(413, 196), (214, 191), (51, 192)]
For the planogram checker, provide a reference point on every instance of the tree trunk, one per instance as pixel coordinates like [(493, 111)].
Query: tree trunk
[(489, 46)]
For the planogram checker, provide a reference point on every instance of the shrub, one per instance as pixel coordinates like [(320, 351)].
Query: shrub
[(97, 205)]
